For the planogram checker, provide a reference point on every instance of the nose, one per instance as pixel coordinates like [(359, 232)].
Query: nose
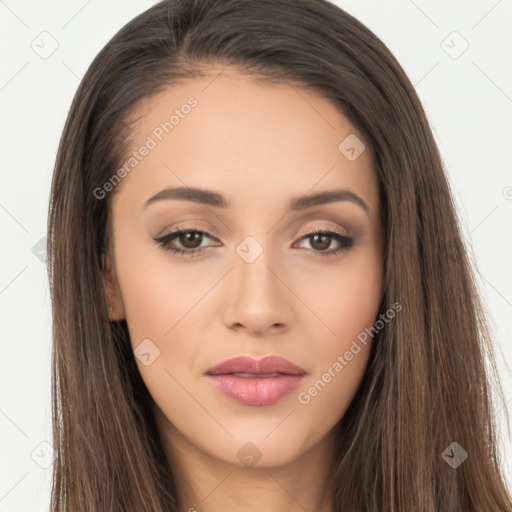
[(258, 298)]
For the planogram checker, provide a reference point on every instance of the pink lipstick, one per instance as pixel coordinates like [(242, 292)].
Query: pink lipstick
[(256, 381)]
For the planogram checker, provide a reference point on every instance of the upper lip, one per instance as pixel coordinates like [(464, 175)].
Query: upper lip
[(266, 365)]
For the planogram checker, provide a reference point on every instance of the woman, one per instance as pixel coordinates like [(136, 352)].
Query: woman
[(258, 279)]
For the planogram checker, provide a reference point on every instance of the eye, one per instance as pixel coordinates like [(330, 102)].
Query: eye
[(191, 238), (322, 238)]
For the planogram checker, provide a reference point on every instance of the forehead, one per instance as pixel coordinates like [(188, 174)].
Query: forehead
[(227, 132)]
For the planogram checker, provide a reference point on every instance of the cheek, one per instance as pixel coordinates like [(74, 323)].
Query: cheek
[(340, 361), (164, 303), (348, 304), (159, 297), (328, 394), (161, 310), (161, 314), (346, 300)]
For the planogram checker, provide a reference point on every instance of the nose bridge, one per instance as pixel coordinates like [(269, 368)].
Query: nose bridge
[(259, 298), (254, 269)]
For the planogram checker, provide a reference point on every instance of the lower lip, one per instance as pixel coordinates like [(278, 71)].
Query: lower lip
[(255, 391)]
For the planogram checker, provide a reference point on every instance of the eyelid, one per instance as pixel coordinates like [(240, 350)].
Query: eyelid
[(316, 229), (321, 229)]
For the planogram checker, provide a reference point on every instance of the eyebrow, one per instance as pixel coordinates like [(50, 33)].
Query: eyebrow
[(209, 198)]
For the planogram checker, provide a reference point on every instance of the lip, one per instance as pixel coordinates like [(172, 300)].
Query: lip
[(256, 381)]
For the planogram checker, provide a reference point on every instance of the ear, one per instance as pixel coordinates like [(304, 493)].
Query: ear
[(113, 293)]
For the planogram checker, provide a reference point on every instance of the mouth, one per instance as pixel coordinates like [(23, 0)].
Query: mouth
[(256, 381)]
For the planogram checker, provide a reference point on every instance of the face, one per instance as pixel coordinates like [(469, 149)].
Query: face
[(248, 277)]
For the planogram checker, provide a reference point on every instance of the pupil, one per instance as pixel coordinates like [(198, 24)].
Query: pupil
[(325, 243), (189, 239)]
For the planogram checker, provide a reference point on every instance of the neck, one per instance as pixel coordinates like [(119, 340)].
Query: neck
[(207, 484)]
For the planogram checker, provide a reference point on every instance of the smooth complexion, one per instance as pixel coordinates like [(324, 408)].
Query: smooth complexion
[(260, 147)]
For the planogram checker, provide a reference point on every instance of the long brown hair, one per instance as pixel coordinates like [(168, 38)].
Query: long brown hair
[(431, 379)]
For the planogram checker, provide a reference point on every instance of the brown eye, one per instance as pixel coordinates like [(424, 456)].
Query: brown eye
[(321, 240), (185, 241), (190, 239)]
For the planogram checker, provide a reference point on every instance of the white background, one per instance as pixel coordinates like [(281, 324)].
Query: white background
[(468, 100)]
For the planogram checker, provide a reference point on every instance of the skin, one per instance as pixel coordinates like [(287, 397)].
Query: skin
[(259, 146)]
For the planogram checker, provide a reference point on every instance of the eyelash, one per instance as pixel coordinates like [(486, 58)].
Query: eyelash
[(165, 240)]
